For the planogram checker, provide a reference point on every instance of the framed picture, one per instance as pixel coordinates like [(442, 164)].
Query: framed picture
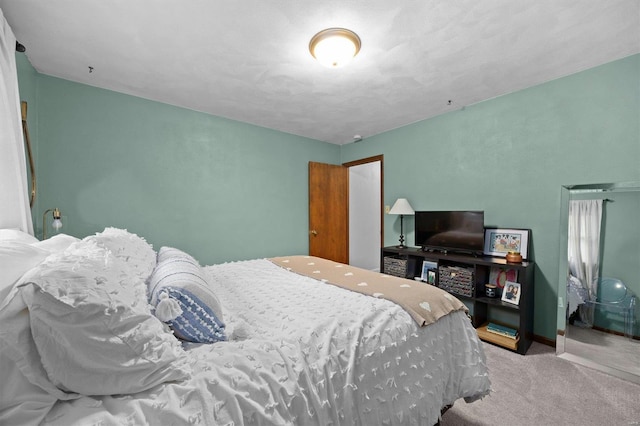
[(499, 276), (499, 242), (511, 292), (429, 272), (431, 276)]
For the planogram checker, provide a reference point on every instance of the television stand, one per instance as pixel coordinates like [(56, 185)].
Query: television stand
[(481, 270)]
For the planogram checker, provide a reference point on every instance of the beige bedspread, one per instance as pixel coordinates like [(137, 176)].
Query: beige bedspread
[(424, 302)]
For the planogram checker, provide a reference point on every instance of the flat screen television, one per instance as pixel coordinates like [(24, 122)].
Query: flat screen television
[(450, 231)]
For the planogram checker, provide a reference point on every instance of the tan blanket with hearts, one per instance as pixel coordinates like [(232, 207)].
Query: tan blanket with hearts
[(424, 302)]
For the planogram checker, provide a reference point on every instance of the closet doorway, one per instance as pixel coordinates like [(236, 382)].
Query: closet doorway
[(346, 211), (365, 212)]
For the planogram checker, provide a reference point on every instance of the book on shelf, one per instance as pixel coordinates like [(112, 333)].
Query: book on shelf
[(498, 333), (502, 330)]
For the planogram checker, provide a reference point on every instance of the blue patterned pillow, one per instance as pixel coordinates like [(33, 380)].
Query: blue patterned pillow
[(182, 297)]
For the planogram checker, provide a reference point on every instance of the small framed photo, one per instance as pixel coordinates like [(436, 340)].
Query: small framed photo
[(499, 242), (429, 272), (511, 292), (431, 276)]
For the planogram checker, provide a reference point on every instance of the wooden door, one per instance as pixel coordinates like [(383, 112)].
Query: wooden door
[(329, 211)]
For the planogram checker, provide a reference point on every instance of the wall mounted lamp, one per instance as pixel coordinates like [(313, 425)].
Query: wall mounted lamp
[(402, 207), (56, 224), (335, 47)]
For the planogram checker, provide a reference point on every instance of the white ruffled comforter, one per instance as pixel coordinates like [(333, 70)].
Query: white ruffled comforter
[(304, 352)]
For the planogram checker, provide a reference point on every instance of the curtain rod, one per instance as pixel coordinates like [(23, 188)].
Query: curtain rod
[(20, 47)]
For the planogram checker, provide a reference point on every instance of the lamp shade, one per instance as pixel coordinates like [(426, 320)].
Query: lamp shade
[(402, 206)]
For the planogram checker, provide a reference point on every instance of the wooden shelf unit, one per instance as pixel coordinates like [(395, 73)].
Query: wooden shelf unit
[(482, 307), (497, 339)]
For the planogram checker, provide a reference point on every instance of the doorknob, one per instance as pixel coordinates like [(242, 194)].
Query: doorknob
[(313, 232)]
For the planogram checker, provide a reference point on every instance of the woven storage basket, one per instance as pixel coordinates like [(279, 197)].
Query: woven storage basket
[(456, 279), (395, 266)]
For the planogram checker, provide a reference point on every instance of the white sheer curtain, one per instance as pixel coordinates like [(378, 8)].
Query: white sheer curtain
[(585, 220), (14, 201)]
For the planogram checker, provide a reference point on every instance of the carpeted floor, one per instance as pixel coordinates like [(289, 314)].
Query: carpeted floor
[(541, 389)]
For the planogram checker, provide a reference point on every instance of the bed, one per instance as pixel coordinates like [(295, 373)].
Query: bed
[(105, 330)]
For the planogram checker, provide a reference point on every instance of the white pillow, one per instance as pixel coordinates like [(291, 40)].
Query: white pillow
[(17, 235), (137, 255), (56, 243), (91, 333), (166, 253), (16, 258), (19, 351), (128, 247), (21, 402), (182, 297)]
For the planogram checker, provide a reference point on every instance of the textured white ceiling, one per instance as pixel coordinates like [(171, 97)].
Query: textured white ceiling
[(249, 60)]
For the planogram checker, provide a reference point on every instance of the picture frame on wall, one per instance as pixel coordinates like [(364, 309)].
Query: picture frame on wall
[(500, 241), (511, 292)]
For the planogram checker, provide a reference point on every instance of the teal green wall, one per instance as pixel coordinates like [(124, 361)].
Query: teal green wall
[(219, 189), (225, 190), (509, 156)]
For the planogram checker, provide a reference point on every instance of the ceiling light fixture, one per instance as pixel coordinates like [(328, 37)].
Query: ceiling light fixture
[(334, 47)]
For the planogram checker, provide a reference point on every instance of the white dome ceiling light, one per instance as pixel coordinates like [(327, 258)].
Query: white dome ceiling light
[(334, 47)]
